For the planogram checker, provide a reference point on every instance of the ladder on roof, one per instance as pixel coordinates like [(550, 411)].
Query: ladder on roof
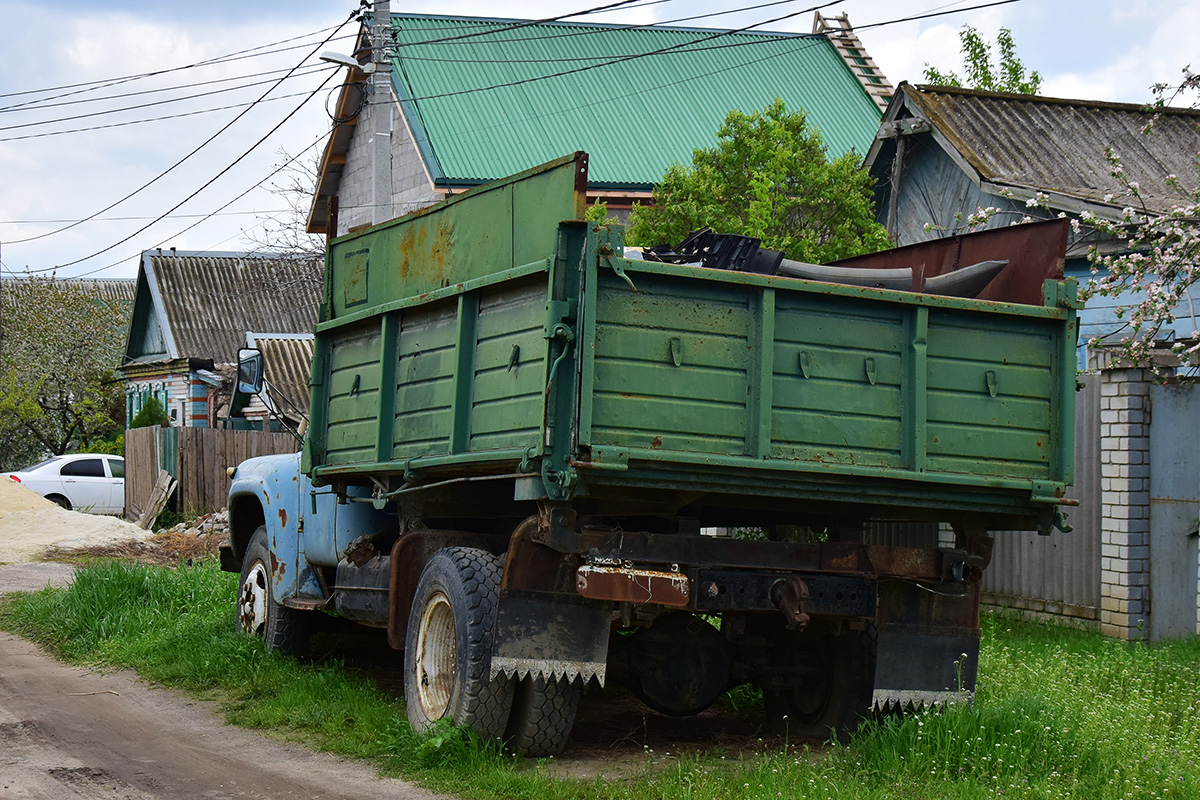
[(841, 34)]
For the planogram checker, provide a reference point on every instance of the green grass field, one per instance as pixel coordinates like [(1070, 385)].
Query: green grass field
[(1059, 713)]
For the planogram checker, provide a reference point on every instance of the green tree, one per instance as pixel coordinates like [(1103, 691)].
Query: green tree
[(152, 414), (59, 349), (1154, 275), (767, 177), (1007, 76)]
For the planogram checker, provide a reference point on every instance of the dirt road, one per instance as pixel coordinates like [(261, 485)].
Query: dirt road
[(66, 733)]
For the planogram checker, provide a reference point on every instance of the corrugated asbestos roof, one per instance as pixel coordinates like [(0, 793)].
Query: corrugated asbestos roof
[(1058, 145), (210, 300), (287, 364), (660, 93), (118, 290)]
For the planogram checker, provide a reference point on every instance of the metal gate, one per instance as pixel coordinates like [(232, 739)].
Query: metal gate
[(1174, 508), (1059, 574)]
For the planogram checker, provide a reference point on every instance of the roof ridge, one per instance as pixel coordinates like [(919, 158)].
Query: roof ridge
[(845, 41), (530, 23), (1139, 108)]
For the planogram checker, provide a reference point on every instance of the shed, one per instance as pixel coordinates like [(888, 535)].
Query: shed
[(944, 152), (191, 312), (941, 154)]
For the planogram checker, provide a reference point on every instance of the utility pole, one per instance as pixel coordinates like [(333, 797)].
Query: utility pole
[(382, 110)]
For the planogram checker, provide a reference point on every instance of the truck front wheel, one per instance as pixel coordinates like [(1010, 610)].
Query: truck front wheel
[(448, 648), (281, 628)]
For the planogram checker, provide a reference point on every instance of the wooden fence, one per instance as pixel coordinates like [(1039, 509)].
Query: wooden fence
[(197, 458)]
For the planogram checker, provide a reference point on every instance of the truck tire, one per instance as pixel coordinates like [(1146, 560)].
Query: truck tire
[(543, 714), (448, 647), (836, 702), (284, 629)]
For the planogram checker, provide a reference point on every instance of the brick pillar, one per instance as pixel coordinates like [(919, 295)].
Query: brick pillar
[(1125, 488)]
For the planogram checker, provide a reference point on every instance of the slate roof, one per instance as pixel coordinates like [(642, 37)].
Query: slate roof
[(109, 290), (200, 305), (287, 363), (1058, 145)]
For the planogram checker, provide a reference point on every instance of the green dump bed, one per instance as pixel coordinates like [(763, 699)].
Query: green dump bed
[(496, 334)]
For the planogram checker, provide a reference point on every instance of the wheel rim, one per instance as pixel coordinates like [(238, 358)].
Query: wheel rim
[(435, 657), (252, 604)]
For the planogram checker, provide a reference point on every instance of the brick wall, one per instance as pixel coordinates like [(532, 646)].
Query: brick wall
[(411, 187), (1125, 484)]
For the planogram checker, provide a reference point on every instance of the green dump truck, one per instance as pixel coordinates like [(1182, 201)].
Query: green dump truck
[(540, 463)]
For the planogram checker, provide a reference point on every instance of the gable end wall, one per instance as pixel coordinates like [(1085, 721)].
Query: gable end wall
[(411, 186)]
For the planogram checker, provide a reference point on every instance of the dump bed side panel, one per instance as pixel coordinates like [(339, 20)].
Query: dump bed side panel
[(991, 385), (671, 366), (699, 366), (838, 380)]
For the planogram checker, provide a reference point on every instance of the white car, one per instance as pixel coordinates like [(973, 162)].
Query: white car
[(82, 482)]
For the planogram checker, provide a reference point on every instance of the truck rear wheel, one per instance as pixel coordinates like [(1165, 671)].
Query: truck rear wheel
[(543, 714), (287, 630), (835, 701), (448, 648)]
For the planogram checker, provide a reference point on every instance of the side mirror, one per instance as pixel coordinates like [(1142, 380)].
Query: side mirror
[(250, 371)]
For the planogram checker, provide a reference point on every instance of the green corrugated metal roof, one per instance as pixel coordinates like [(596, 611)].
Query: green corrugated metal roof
[(634, 117)]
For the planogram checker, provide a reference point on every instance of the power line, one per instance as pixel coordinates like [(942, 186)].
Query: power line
[(133, 219), (671, 48), (518, 24), (154, 91), (198, 148), (261, 50), (595, 29), (682, 47), (212, 214), (931, 14), (106, 82), (873, 25), (208, 183), (181, 115), (290, 74)]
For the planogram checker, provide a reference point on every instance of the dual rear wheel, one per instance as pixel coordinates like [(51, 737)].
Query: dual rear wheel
[(451, 631)]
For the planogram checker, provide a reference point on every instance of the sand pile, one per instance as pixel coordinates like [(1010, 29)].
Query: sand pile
[(30, 524)]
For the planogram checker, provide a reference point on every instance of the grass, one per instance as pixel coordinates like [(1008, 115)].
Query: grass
[(1059, 713)]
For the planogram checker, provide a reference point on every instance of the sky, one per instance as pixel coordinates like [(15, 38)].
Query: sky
[(85, 173)]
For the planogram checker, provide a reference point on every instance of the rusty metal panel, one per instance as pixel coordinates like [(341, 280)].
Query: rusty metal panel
[(1058, 574), (628, 585), (1034, 254)]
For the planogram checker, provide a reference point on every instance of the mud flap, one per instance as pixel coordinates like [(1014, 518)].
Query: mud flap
[(551, 636), (928, 645)]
